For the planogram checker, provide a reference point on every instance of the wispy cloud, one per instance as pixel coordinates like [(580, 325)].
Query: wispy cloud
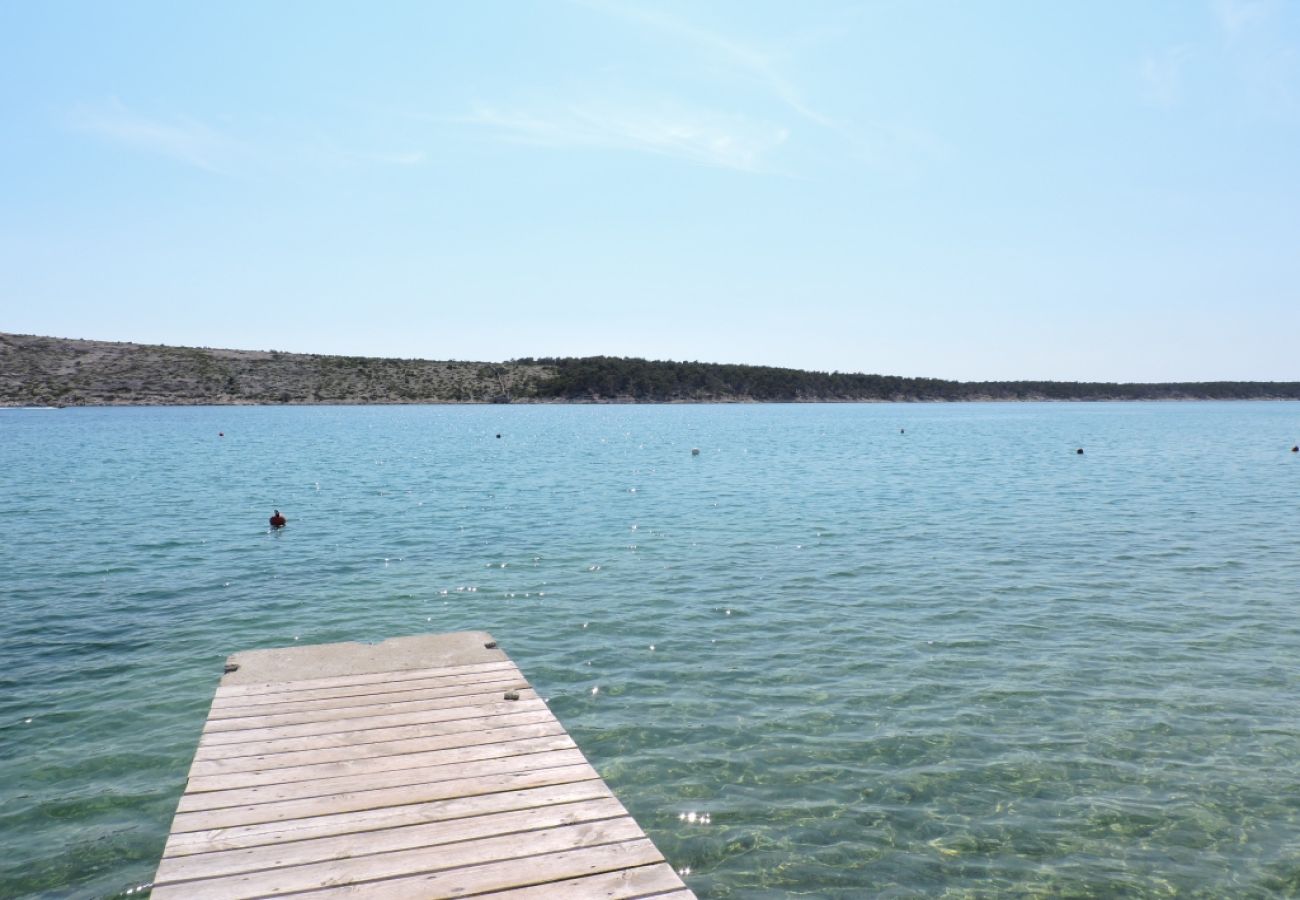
[(194, 143), (756, 63), (1263, 51), (398, 158), (1236, 16), (704, 138), (1161, 77), (184, 140), (891, 145)]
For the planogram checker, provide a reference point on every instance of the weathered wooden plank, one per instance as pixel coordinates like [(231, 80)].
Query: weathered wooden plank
[(380, 866), (422, 761), (242, 836), (325, 710), (541, 869), (394, 682), (356, 696), (418, 717), (341, 847), (340, 803), (398, 770), (351, 784), (529, 711), (268, 764), (278, 687), (656, 880)]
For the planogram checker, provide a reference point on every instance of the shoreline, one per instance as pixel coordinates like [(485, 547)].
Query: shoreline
[(639, 402)]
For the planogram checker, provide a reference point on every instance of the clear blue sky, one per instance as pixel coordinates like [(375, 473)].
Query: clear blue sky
[(1077, 190)]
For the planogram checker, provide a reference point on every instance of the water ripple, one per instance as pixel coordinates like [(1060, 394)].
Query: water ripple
[(819, 658)]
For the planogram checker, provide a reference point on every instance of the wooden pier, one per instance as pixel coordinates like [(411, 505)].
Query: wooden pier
[(420, 767)]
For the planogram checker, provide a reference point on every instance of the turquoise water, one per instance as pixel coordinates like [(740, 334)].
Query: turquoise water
[(822, 657)]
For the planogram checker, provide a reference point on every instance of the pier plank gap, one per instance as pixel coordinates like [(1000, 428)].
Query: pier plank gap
[(420, 767)]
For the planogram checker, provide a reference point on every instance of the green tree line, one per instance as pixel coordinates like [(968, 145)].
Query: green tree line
[(618, 378)]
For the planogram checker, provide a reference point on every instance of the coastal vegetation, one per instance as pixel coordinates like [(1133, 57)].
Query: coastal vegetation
[(48, 371), (613, 378)]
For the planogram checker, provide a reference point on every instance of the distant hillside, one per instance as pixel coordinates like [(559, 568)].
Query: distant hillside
[(36, 371), (45, 371), (604, 377)]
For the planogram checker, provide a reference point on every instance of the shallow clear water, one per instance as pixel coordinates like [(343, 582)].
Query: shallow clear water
[(822, 657)]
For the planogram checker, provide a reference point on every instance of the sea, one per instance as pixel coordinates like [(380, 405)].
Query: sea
[(844, 650)]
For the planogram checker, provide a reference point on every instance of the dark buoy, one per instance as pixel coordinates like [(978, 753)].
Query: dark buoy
[(278, 520), (695, 451), (1079, 451)]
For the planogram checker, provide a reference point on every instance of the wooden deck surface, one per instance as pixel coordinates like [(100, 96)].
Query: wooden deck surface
[(397, 770)]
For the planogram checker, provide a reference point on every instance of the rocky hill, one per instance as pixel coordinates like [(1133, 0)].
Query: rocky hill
[(45, 371)]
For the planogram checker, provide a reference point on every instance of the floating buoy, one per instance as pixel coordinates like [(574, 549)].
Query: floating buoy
[(695, 451), (1079, 451)]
